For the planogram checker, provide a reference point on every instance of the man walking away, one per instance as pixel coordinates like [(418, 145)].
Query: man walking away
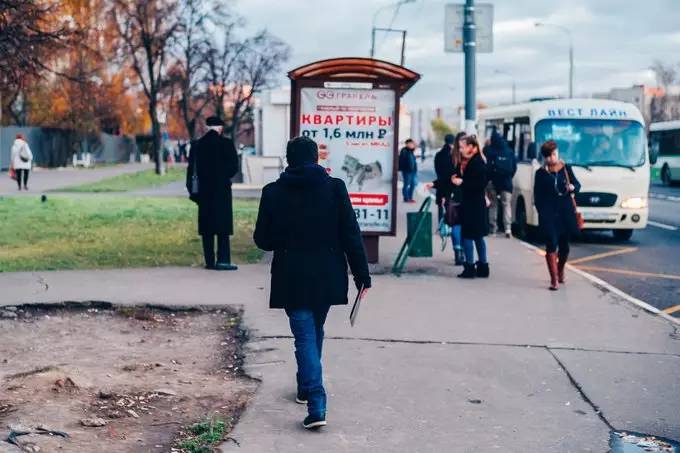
[(212, 164), (307, 219), (21, 160), (502, 166), (408, 166)]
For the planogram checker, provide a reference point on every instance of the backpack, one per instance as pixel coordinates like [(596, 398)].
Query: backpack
[(503, 164)]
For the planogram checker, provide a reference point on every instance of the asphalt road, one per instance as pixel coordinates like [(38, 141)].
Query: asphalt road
[(648, 266)]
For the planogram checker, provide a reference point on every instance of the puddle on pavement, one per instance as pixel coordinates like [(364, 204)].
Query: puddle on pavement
[(631, 442)]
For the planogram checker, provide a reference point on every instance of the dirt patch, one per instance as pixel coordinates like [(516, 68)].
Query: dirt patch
[(96, 377)]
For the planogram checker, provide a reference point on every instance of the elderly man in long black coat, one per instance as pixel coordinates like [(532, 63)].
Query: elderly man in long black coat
[(307, 219), (213, 162)]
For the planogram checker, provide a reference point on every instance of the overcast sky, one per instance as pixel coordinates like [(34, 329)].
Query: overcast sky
[(615, 41)]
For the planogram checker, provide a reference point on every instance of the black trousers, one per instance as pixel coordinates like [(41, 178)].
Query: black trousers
[(223, 249), (554, 241), (22, 174)]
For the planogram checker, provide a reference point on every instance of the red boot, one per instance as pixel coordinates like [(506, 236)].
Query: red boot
[(561, 263), (551, 260)]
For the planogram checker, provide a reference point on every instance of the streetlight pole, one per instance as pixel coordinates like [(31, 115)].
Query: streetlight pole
[(375, 18), (566, 31), (470, 49)]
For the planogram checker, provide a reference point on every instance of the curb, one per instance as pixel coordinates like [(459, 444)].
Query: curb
[(613, 289)]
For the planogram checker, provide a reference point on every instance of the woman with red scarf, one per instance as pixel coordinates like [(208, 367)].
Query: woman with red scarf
[(471, 178), (554, 186)]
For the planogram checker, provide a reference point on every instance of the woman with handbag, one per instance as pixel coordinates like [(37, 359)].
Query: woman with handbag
[(471, 179), (21, 161), (554, 189), (449, 196)]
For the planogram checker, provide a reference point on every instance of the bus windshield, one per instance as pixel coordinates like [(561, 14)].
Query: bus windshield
[(603, 143)]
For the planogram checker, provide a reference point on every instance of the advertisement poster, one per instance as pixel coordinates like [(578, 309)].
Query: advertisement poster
[(354, 129)]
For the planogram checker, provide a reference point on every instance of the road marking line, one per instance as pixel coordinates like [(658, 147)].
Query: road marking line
[(612, 289), (627, 272), (671, 310), (619, 251), (662, 225)]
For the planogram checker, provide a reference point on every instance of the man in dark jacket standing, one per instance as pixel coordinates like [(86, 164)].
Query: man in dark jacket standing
[(444, 169), (307, 219), (501, 168), (213, 161), (408, 166)]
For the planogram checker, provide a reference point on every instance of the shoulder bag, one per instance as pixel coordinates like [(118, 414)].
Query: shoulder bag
[(580, 221)]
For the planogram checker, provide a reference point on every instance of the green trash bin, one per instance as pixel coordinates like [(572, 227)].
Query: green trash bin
[(422, 243)]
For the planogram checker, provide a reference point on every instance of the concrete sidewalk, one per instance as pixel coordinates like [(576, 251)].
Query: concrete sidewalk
[(42, 180), (435, 364)]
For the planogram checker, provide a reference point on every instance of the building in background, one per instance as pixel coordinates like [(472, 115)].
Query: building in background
[(655, 103)]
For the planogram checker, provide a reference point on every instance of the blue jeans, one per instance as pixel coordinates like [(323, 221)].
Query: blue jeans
[(307, 327), (456, 238), (409, 184), (469, 248)]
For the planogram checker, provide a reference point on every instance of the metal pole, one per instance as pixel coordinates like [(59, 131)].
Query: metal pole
[(372, 41), (571, 68), (403, 46), (514, 92), (470, 49)]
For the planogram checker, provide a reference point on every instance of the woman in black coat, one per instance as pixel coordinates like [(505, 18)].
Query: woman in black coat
[(472, 179), (554, 186)]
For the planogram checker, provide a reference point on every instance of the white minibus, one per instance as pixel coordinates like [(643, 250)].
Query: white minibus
[(603, 140)]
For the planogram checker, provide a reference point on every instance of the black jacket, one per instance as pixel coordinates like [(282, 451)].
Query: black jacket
[(217, 162), (474, 213), (443, 167), (307, 219), (499, 149), (556, 214), (407, 161)]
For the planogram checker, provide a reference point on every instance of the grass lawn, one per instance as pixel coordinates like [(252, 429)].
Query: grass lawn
[(131, 181), (108, 231)]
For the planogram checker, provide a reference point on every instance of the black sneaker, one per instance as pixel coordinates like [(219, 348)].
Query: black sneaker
[(314, 422), (226, 267), (301, 399)]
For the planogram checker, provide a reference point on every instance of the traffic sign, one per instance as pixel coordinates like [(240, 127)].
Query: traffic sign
[(454, 18)]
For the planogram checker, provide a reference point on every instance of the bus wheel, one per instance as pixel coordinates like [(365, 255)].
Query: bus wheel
[(622, 235), (521, 226), (666, 176)]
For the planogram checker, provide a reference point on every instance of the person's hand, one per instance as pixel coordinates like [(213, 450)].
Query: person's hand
[(571, 188), (456, 180), (363, 293)]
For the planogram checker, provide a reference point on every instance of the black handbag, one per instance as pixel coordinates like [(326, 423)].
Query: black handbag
[(453, 213)]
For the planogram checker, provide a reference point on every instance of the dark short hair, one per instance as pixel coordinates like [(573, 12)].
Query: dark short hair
[(548, 148), (408, 140), (449, 139), (302, 151)]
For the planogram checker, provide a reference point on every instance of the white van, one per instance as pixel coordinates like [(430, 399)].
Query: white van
[(603, 140), (664, 145)]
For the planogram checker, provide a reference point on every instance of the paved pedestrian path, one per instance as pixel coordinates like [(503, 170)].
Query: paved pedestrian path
[(42, 180), (435, 364)]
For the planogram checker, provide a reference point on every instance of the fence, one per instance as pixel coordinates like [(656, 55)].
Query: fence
[(56, 147)]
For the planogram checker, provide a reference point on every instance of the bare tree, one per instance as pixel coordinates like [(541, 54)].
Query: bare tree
[(29, 35), (241, 69), (189, 73), (146, 29), (667, 105)]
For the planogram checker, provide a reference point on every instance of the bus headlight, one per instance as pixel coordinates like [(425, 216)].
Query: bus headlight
[(634, 203)]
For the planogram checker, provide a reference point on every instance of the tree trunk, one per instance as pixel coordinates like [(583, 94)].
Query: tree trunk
[(156, 137)]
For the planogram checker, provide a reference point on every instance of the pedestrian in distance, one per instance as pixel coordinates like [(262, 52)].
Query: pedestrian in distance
[(446, 161), (554, 186), (21, 161), (307, 220), (423, 150), (501, 168), (408, 166), (471, 177), (212, 164)]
